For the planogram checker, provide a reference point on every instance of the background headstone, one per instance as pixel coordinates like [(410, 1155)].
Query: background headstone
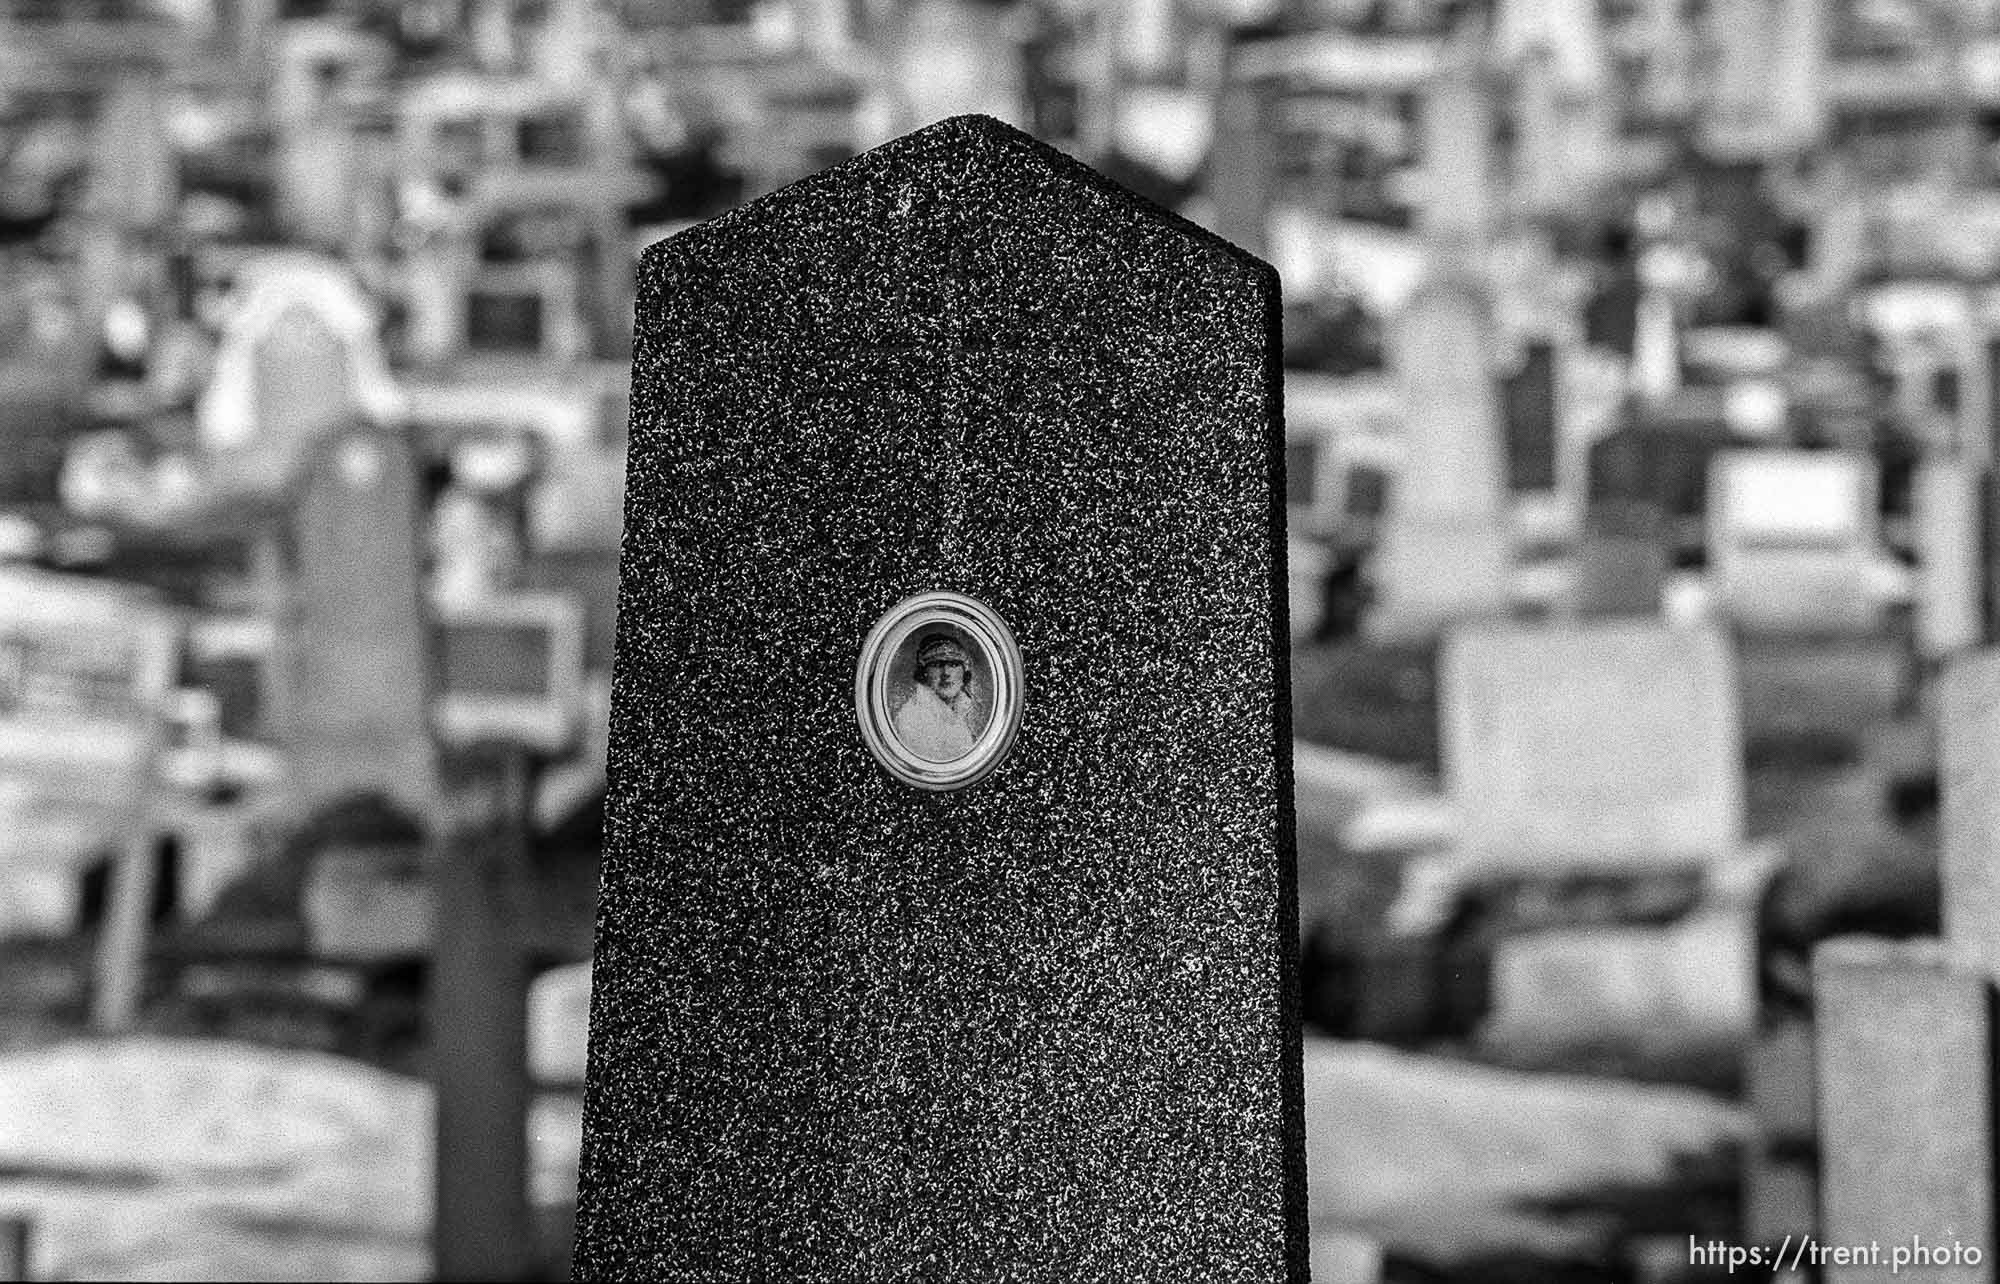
[(1606, 743), (478, 1016), (1444, 550), (356, 646), (85, 669), (1792, 538), (1622, 561), (1531, 396), (300, 381), (1456, 116), (133, 180), (1780, 1163), (1340, 1257), (1780, 1196), (1945, 504), (16, 1241), (1778, 1081), (298, 355), (1243, 157), (1969, 799), (1905, 1076), (1043, 1027)]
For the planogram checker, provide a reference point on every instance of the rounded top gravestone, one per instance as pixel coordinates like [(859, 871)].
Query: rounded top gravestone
[(298, 355)]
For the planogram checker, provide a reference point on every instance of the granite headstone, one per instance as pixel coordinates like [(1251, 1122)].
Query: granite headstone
[(1644, 989), (1043, 1026)]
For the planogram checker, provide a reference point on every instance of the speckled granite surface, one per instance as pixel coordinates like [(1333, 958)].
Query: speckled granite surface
[(1042, 1029)]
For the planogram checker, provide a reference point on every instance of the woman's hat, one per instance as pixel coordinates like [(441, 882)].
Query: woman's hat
[(940, 648)]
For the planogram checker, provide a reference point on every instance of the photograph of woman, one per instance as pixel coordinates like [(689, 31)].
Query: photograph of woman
[(943, 715)]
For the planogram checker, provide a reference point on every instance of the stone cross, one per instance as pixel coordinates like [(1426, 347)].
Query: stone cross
[(947, 923)]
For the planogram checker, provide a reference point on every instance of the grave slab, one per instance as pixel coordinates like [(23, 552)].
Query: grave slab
[(1041, 1026)]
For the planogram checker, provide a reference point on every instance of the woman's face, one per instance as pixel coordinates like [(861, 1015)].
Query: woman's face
[(945, 677)]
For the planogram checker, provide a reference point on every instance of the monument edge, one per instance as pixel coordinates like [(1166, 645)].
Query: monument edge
[(1291, 995)]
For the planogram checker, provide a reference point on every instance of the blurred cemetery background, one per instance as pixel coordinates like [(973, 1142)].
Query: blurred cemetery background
[(1640, 398)]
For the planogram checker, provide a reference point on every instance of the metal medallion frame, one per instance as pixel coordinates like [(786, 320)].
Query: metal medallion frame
[(1001, 668)]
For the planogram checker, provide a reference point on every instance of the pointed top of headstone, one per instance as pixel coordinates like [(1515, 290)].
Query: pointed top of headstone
[(962, 156), (1006, 233)]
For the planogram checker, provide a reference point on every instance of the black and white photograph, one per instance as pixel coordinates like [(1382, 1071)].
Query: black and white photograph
[(940, 712), (1000, 641)]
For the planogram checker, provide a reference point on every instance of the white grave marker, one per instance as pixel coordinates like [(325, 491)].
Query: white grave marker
[(1792, 538)]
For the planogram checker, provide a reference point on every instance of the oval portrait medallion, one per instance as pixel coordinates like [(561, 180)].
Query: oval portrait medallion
[(937, 690)]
